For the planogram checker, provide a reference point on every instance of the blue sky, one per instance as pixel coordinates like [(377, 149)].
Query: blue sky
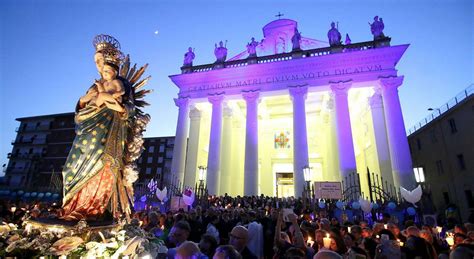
[(46, 54)]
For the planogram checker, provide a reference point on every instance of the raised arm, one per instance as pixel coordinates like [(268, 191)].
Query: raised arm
[(276, 241)]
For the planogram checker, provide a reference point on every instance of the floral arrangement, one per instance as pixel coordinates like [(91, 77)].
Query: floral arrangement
[(130, 240)]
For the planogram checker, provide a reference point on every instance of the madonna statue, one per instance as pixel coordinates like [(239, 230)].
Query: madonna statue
[(100, 170)]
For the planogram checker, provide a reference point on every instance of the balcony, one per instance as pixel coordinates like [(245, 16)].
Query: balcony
[(12, 169), (32, 128), (35, 141)]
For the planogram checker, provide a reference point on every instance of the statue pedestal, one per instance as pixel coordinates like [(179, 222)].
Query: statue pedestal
[(296, 53), (252, 60), (337, 49), (384, 42), (186, 69), (218, 65)]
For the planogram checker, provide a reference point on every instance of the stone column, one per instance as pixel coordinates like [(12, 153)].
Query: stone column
[(300, 139), (380, 137), (179, 150), (347, 162), (397, 138), (251, 143), (214, 157), (226, 157), (331, 159), (193, 147)]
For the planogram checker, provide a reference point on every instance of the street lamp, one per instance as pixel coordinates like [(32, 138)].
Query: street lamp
[(307, 178), (419, 175), (201, 189), (202, 173)]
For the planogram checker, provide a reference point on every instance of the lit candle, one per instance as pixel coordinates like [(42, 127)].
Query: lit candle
[(450, 240), (327, 241), (377, 236), (140, 224), (13, 209), (400, 242), (162, 227), (310, 242), (28, 228), (349, 230), (439, 229), (385, 226)]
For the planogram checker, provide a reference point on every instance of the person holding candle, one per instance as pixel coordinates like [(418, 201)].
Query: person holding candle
[(389, 247), (319, 235), (336, 243), (396, 232), (415, 245), (356, 231), (428, 237)]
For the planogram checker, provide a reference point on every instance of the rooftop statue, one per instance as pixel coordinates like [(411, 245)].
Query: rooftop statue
[(252, 48), (348, 39), (377, 28), (334, 36), (188, 58), (220, 52), (296, 40)]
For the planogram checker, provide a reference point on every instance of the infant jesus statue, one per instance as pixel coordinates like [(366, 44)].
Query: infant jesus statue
[(109, 92)]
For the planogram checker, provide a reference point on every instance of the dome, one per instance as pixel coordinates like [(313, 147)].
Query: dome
[(279, 26)]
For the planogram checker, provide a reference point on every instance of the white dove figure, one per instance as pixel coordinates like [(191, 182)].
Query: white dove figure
[(412, 196), (188, 200), (364, 205), (161, 194)]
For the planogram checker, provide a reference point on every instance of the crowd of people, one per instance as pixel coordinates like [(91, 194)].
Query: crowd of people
[(252, 227)]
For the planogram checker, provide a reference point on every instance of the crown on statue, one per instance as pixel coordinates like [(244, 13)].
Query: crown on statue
[(103, 42), (109, 47)]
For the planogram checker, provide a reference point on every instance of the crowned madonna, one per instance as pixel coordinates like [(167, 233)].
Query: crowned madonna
[(100, 170)]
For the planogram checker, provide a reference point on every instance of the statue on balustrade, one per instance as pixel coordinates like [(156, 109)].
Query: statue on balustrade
[(100, 169), (334, 36), (252, 48), (189, 57), (220, 52), (348, 39), (377, 28), (296, 40)]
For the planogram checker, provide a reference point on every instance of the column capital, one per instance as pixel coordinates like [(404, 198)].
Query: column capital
[(181, 101), (215, 99), (340, 88), (298, 90), (251, 95), (194, 113), (390, 83)]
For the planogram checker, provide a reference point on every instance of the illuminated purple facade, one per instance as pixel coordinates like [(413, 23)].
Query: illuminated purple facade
[(339, 105)]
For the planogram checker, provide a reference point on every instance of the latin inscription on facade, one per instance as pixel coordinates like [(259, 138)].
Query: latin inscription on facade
[(287, 78)]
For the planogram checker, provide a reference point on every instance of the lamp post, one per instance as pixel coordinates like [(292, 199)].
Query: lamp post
[(201, 188), (307, 179), (420, 179)]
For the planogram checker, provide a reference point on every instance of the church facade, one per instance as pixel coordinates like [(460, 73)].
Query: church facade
[(257, 119)]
